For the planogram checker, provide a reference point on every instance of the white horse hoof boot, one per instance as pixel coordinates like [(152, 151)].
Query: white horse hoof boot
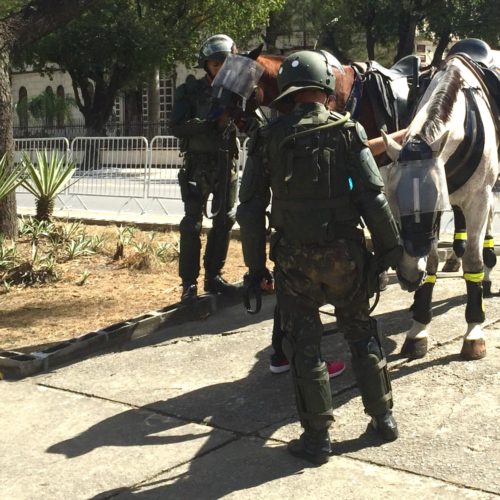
[(414, 348), (473, 349)]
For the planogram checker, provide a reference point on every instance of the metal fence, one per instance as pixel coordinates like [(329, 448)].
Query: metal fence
[(127, 167)]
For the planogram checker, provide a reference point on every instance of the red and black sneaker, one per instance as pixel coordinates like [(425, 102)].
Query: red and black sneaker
[(279, 364)]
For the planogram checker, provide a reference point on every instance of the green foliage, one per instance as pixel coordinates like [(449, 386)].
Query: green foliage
[(78, 247), (8, 254), (47, 177), (83, 278), (47, 107), (9, 6), (10, 178), (463, 19), (125, 235), (347, 27), (40, 267)]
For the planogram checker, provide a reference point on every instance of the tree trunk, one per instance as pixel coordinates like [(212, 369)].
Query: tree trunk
[(271, 34), (8, 208), (444, 40), (37, 19), (133, 111), (407, 30)]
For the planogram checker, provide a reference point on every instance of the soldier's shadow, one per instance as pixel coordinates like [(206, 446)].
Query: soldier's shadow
[(228, 453), (223, 455)]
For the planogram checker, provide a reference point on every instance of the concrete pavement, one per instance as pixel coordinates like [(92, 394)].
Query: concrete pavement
[(192, 412)]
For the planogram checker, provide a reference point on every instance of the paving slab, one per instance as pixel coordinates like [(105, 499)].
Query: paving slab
[(447, 411), (62, 445), (248, 469), (193, 412)]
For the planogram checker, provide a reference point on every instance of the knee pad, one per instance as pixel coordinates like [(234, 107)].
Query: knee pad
[(190, 224)]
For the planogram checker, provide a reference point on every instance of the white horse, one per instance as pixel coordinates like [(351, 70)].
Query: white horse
[(451, 145)]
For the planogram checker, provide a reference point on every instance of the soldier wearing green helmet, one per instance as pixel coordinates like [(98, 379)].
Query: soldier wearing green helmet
[(201, 140), (323, 180)]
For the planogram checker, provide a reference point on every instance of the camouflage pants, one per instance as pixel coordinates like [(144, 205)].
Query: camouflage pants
[(198, 178), (307, 277)]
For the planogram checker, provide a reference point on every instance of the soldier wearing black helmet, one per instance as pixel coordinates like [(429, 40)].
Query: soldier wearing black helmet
[(323, 180), (200, 174)]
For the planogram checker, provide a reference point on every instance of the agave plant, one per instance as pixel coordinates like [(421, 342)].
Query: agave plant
[(10, 178), (46, 178)]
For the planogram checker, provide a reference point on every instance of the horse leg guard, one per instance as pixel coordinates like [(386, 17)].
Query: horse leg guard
[(370, 369), (490, 261), (416, 343), (474, 346), (460, 235)]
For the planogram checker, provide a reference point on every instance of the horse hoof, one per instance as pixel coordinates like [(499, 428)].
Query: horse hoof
[(473, 349), (383, 279), (414, 348), (487, 289), (451, 265)]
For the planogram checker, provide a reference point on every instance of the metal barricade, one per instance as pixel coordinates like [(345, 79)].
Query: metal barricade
[(120, 167), (165, 159), (29, 147), (110, 166)]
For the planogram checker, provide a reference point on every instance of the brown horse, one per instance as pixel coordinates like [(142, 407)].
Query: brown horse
[(346, 80)]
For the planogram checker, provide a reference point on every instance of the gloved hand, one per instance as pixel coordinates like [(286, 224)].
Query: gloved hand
[(254, 282), (377, 264), (389, 259)]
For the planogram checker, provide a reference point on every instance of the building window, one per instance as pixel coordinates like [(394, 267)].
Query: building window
[(50, 108), (60, 106), (22, 107), (166, 98), (421, 47)]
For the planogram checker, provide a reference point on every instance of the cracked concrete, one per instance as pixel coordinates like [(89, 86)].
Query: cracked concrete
[(193, 412)]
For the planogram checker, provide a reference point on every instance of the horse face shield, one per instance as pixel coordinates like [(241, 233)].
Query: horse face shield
[(417, 187)]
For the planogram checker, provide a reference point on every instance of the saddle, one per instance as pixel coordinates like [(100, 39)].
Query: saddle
[(489, 77), (392, 91)]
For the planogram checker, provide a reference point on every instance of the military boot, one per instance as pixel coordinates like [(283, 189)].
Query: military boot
[(313, 446), (386, 426), (217, 284), (189, 292)]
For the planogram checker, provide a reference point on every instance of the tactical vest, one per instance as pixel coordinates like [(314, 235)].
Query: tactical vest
[(198, 94), (311, 182)]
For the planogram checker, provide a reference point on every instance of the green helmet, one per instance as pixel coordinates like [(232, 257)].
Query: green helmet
[(306, 69), (216, 48)]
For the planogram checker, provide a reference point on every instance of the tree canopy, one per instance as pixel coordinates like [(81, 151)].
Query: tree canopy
[(118, 45)]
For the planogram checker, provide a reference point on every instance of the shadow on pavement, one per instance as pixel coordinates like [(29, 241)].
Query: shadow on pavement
[(225, 463)]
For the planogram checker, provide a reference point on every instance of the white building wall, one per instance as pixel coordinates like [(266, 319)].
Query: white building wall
[(36, 84)]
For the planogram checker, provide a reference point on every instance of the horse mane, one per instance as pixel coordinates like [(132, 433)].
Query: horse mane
[(441, 103)]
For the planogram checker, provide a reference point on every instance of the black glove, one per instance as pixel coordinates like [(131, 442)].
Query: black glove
[(389, 259), (254, 282)]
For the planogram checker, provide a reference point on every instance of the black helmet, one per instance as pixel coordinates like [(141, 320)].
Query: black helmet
[(306, 69), (476, 49), (216, 48)]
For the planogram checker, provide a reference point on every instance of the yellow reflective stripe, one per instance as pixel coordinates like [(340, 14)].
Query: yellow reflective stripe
[(431, 278), (460, 236), (474, 277), (489, 243)]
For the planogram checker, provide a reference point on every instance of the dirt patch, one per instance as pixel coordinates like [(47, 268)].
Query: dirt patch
[(93, 291)]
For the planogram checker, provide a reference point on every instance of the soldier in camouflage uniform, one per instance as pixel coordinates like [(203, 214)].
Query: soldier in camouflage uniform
[(200, 175), (323, 180)]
